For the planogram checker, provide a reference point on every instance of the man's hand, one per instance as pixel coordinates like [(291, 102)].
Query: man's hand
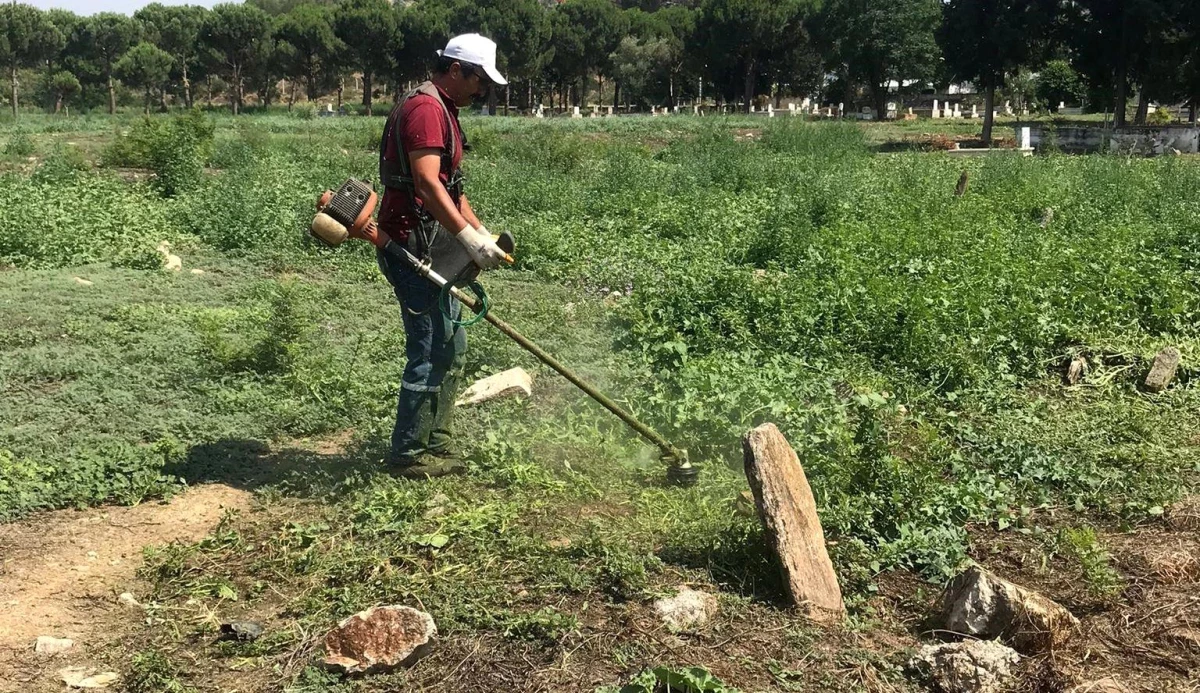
[(480, 246)]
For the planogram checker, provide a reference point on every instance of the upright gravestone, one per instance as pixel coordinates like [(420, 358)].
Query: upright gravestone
[(937, 113), (789, 515), (770, 111), (575, 112), (1026, 138)]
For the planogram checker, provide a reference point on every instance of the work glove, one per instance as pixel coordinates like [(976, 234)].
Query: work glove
[(480, 246)]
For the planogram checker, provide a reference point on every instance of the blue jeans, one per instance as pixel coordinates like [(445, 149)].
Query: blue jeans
[(435, 348)]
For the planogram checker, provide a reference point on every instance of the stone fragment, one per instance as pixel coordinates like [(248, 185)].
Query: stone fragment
[(1077, 369), (379, 639), (1163, 371), (745, 504), (197, 271), (973, 666), (1104, 685), (514, 381), (127, 599), (77, 677), (242, 631), (789, 516), (171, 263), (50, 645), (436, 506), (687, 610), (982, 605), (82, 282)]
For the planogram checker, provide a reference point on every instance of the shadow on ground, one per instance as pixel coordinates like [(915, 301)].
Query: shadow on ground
[(291, 470)]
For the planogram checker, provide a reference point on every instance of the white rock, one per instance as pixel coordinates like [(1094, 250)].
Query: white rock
[(514, 381), (50, 645), (171, 263), (127, 599), (974, 666), (197, 271), (82, 282), (77, 677), (982, 605), (687, 610)]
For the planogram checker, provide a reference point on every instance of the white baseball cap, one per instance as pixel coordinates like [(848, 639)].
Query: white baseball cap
[(476, 50)]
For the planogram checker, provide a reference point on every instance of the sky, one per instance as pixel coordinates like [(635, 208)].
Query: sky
[(85, 7)]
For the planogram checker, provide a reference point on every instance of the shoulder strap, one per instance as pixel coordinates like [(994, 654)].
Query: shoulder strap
[(398, 173)]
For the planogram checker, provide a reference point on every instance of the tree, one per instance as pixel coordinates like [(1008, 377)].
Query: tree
[(883, 41), (984, 41), (282, 7), (586, 34), (739, 37), (1058, 82), (309, 30), (106, 37), (1114, 44), (365, 28), (145, 66), (234, 33), (421, 30), (62, 87), (176, 30), (641, 66), (26, 38)]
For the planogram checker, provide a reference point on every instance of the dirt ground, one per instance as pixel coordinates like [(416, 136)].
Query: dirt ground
[(62, 573)]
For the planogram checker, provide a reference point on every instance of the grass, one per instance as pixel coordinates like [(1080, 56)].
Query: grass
[(910, 344)]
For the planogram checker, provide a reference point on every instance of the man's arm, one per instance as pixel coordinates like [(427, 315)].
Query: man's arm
[(426, 165), (468, 212)]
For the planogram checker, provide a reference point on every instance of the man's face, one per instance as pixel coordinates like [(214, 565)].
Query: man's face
[(469, 82)]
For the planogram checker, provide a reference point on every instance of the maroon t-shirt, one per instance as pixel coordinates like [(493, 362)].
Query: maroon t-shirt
[(422, 126)]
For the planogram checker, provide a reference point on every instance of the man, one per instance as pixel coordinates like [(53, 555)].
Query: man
[(420, 154)]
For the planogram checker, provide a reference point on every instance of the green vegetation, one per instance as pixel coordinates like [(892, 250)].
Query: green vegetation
[(910, 343)]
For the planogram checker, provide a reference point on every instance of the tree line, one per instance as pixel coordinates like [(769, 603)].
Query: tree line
[(647, 52)]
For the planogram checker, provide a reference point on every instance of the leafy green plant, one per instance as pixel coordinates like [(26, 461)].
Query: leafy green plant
[(1082, 544), (19, 144), (150, 671), (676, 680)]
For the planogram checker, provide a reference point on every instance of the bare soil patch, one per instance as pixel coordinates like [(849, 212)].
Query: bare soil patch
[(62, 572)]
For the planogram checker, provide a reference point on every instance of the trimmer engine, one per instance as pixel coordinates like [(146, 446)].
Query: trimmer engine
[(345, 213)]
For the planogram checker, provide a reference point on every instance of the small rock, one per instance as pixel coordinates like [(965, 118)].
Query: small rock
[(77, 677), (974, 666), (687, 610), (50, 645), (514, 381), (1077, 369), (379, 639), (981, 605), (1163, 371), (241, 631), (745, 504), (436, 506), (1047, 217), (171, 263), (82, 282), (197, 271), (1104, 685), (127, 599)]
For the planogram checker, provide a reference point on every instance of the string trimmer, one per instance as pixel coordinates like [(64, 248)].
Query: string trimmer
[(347, 213)]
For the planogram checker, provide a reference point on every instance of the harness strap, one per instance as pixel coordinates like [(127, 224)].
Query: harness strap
[(398, 173)]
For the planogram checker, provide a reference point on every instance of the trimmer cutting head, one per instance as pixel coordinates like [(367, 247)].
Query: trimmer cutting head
[(680, 472)]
